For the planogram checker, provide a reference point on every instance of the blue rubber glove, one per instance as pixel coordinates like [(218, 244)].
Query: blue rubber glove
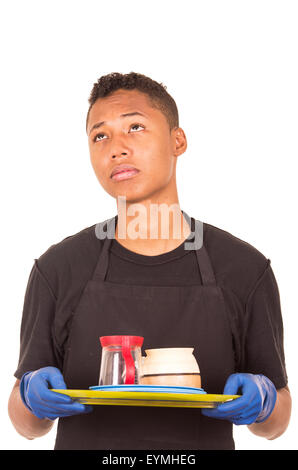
[(254, 406), (42, 402)]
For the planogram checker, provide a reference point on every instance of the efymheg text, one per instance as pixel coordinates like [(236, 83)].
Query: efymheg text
[(150, 459)]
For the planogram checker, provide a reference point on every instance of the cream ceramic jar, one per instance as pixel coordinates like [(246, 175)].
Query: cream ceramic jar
[(170, 366)]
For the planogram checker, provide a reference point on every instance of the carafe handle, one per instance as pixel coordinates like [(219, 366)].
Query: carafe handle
[(129, 361)]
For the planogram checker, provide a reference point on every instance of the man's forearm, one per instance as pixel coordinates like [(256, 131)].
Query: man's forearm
[(279, 419), (25, 422)]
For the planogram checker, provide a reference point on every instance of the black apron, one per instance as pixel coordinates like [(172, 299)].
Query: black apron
[(192, 316)]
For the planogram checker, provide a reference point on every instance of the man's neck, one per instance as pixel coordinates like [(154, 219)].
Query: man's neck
[(152, 236)]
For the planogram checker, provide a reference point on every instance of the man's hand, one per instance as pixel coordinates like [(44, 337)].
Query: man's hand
[(254, 406), (42, 402)]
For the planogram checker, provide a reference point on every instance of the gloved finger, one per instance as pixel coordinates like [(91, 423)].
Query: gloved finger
[(245, 419), (213, 413), (242, 414), (54, 377), (237, 383), (237, 419), (88, 408), (40, 382), (252, 414), (240, 382), (55, 398), (247, 416), (67, 410), (233, 406), (75, 407), (233, 384), (208, 412), (43, 404), (45, 394), (230, 408)]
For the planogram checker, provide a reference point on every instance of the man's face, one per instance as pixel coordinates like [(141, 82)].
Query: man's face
[(144, 142)]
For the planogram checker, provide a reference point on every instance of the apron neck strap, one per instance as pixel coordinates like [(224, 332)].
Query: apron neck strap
[(203, 259), (106, 227), (206, 270)]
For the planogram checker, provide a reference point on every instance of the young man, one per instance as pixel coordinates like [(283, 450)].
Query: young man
[(221, 298)]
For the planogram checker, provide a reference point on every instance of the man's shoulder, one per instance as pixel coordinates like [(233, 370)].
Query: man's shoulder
[(72, 257), (237, 263), (71, 244)]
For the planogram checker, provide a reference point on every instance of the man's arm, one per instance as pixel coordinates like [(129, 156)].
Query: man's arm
[(279, 419), (25, 422)]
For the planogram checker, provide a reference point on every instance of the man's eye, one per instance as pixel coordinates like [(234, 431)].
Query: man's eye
[(97, 136), (137, 125)]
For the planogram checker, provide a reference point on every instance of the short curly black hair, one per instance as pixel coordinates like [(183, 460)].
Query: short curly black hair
[(158, 96)]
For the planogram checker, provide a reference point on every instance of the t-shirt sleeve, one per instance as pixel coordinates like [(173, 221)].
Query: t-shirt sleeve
[(37, 342), (263, 338)]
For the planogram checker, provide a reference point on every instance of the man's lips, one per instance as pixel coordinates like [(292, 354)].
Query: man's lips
[(123, 168), (125, 174)]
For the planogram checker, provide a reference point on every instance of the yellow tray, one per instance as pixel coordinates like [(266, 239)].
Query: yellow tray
[(180, 400)]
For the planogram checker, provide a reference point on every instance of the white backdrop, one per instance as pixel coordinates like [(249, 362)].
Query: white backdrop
[(231, 66)]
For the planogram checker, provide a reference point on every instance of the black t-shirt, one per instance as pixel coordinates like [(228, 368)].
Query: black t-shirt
[(59, 275)]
